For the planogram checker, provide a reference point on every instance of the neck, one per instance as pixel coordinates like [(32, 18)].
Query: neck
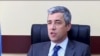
[(61, 40)]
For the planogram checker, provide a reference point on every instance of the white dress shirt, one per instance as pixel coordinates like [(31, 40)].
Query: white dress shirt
[(62, 50)]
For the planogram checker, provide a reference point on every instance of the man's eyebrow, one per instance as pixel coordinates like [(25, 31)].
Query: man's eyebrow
[(48, 20), (57, 20), (51, 20)]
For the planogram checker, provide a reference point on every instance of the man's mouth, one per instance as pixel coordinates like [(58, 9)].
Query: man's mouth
[(53, 34)]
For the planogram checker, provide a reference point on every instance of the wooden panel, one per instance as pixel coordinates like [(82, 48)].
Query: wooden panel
[(95, 44), (21, 44), (16, 43)]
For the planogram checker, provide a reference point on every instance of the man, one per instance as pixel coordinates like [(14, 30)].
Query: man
[(59, 23)]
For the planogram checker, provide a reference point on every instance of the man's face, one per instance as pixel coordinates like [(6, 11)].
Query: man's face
[(57, 29)]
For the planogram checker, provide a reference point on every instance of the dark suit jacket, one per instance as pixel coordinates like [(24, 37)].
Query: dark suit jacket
[(74, 48)]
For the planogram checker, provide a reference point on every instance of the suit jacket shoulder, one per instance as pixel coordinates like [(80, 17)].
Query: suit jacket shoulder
[(76, 48), (84, 49), (40, 45), (39, 48), (79, 44)]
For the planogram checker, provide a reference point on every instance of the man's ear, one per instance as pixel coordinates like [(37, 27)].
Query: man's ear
[(69, 27)]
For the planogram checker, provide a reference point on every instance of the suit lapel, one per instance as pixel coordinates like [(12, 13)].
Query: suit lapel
[(45, 49), (70, 49)]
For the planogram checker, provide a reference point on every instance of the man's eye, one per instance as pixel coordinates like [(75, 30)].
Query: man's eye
[(49, 22), (58, 22)]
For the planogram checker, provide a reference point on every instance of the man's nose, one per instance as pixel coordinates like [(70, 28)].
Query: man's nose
[(53, 27)]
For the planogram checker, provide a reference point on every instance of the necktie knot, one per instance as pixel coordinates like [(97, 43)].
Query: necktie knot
[(56, 49)]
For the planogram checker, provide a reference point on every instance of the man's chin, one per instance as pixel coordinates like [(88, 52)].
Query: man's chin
[(54, 40)]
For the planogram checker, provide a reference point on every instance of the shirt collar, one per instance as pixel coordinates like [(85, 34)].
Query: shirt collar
[(62, 44)]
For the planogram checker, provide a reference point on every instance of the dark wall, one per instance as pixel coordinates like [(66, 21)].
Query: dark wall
[(21, 44)]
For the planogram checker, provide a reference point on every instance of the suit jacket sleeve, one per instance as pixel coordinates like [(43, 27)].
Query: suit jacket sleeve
[(87, 51), (30, 51)]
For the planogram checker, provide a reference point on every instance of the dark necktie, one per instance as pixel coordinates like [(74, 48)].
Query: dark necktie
[(56, 49)]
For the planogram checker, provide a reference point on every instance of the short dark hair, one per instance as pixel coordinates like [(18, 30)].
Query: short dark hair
[(61, 9)]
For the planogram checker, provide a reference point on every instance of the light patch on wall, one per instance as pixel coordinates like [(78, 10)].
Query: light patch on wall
[(18, 16)]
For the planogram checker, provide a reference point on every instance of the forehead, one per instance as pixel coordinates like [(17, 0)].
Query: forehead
[(55, 16)]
